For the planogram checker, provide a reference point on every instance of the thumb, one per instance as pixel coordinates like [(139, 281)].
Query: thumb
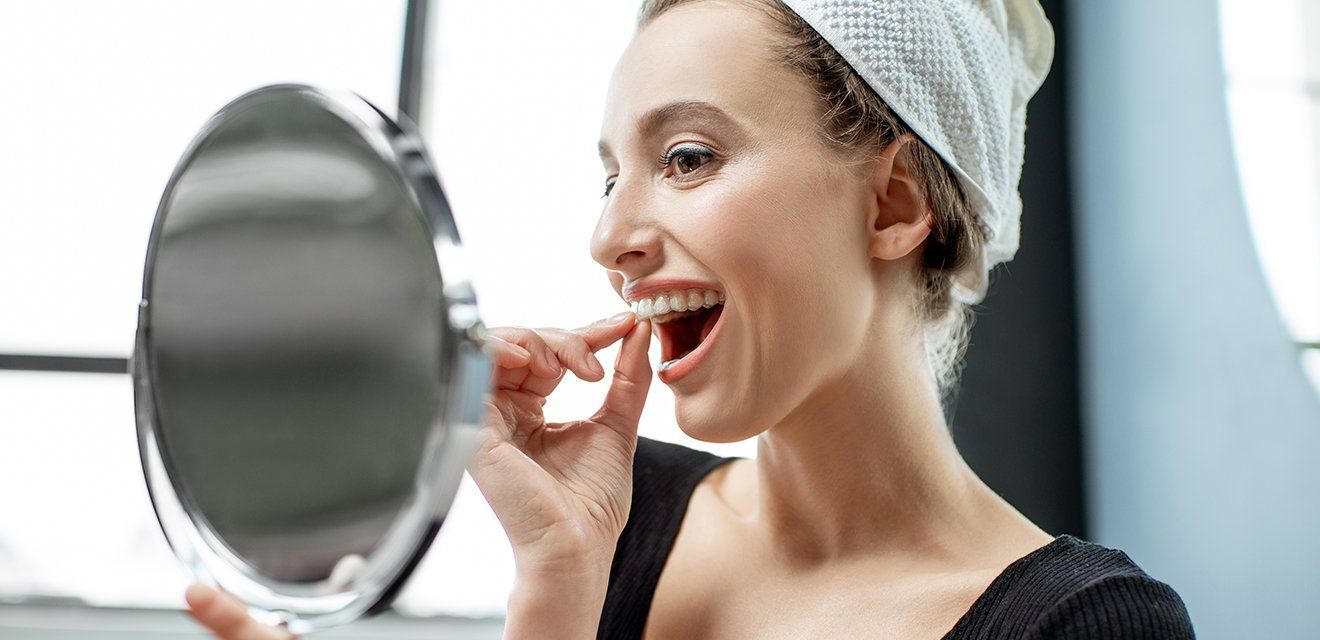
[(632, 379)]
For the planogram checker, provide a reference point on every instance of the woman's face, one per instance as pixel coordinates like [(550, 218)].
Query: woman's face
[(717, 180)]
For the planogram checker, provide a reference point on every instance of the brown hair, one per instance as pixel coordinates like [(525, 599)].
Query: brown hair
[(856, 123)]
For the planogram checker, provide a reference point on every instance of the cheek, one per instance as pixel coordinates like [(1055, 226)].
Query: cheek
[(776, 220), (795, 240), (791, 248)]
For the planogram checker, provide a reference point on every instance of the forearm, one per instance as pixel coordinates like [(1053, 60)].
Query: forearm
[(556, 607)]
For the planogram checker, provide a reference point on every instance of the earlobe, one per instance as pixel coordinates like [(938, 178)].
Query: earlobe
[(900, 218), (898, 240)]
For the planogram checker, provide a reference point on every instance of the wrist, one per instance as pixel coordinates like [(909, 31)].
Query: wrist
[(586, 562), (557, 604)]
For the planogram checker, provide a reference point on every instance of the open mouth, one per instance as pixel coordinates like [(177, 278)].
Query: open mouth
[(683, 319)]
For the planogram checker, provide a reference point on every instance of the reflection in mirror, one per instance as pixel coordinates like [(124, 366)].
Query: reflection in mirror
[(296, 306), (296, 337)]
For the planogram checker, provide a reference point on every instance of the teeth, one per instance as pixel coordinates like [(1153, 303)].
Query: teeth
[(669, 363), (661, 307)]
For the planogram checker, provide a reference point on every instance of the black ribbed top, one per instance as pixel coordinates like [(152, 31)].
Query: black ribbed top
[(1068, 589)]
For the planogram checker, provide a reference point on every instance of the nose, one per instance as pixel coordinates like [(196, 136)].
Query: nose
[(625, 240)]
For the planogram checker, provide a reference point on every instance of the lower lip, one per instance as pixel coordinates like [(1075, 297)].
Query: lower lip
[(687, 363)]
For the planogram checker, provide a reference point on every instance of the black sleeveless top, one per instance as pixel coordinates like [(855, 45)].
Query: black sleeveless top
[(1069, 588)]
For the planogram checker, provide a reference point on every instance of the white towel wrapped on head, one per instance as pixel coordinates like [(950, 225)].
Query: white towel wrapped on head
[(959, 73)]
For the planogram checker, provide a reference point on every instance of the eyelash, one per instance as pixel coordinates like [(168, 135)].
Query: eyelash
[(691, 150), (668, 159)]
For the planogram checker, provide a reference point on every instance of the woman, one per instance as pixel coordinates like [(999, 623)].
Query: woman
[(805, 260)]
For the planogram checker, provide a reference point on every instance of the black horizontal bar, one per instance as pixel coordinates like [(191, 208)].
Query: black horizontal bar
[(82, 364)]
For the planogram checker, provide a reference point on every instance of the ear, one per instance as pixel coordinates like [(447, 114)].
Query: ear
[(900, 219)]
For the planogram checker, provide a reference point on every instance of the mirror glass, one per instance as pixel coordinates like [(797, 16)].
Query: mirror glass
[(299, 369)]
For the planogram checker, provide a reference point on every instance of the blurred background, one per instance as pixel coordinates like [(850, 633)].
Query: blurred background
[(1146, 373)]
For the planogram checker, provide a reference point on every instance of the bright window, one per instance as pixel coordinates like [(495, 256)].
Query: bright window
[(1272, 62), (102, 100)]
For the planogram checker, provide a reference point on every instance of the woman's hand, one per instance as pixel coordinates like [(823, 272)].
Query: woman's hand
[(562, 491), (226, 617)]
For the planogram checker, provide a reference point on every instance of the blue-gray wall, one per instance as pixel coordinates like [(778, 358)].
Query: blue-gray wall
[(1202, 435)]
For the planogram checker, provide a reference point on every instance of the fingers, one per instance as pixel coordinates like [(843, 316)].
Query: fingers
[(551, 350), (542, 360), (576, 349), (507, 355), (507, 411), (632, 379), (603, 333), (226, 617)]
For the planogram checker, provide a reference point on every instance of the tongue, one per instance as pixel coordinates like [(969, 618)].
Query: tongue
[(710, 322)]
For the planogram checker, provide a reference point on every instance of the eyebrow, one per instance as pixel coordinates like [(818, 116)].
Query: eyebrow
[(656, 119)]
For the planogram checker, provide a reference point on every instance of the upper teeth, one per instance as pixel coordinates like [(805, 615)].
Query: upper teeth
[(675, 301)]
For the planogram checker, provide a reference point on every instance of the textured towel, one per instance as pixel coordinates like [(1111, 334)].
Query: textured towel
[(959, 73)]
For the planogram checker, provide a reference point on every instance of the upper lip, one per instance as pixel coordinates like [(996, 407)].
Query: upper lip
[(647, 287)]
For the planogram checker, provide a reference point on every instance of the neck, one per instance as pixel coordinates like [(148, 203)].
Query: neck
[(867, 465)]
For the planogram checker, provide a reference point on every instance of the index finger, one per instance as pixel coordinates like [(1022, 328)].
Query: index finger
[(603, 333), (577, 348)]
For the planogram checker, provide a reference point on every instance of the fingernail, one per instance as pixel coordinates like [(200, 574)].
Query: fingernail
[(195, 592), (595, 367), (551, 363), (619, 317)]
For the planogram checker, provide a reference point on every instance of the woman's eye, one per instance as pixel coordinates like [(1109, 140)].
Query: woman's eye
[(609, 186), (687, 159)]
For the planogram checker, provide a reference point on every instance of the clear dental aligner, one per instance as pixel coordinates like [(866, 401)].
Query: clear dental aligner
[(667, 306)]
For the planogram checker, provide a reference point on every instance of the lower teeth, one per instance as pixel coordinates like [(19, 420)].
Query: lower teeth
[(669, 363)]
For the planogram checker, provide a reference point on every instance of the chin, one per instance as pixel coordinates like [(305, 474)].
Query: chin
[(714, 420)]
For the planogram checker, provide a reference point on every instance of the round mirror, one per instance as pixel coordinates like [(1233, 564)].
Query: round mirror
[(308, 372)]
